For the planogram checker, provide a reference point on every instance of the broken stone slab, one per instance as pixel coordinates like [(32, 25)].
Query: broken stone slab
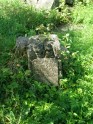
[(44, 58), (43, 4)]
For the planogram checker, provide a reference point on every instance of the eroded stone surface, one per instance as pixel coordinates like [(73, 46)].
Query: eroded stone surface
[(45, 70)]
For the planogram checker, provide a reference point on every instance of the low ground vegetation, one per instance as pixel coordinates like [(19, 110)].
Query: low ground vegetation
[(24, 101)]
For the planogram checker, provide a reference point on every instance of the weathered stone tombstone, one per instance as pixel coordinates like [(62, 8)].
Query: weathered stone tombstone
[(43, 4), (43, 52)]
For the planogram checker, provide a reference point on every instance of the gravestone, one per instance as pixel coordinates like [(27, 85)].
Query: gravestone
[(43, 4), (44, 58), (43, 52)]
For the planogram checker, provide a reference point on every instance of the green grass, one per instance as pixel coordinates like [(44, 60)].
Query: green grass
[(83, 14), (24, 101)]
